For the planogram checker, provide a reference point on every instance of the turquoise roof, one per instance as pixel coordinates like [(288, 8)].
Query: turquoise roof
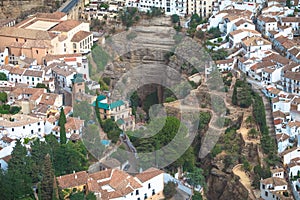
[(101, 97), (77, 78), (120, 121), (107, 106)]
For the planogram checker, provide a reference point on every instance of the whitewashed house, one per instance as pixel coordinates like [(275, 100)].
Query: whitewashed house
[(225, 65), (235, 37), (290, 154), (278, 172), (33, 77), (22, 126), (272, 188), (265, 24), (253, 46)]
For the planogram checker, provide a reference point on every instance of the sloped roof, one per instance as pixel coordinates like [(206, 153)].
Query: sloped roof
[(66, 26), (73, 180), (25, 33), (80, 35)]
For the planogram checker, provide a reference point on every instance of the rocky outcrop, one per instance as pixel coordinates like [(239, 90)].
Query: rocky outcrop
[(225, 186)]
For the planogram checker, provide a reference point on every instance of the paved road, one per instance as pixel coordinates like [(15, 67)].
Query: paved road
[(66, 7)]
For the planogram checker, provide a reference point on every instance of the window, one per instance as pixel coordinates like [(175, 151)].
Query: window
[(39, 123), (137, 192), (12, 129), (23, 127), (39, 130), (17, 40), (145, 196), (37, 51), (149, 185), (263, 186), (31, 131), (153, 192), (266, 193)]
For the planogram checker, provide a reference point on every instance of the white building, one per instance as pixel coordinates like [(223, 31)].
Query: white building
[(22, 126), (169, 7), (290, 154), (272, 188), (33, 77)]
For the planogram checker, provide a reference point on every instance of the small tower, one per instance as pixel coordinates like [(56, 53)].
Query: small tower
[(78, 86)]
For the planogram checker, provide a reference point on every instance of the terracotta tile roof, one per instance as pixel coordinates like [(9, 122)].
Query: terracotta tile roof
[(275, 100), (54, 15), (121, 183), (67, 109), (63, 70), (288, 44), (266, 19), (66, 26), (276, 58), (255, 41), (49, 57), (6, 139), (37, 44), (74, 124), (290, 19), (278, 114), (101, 174), (294, 123), (80, 35), (289, 151), (25, 33), (7, 158), (34, 93), (20, 120), (17, 70), (34, 73), (227, 61), (277, 170), (242, 21), (269, 70), (49, 99), (292, 75), (73, 180), (148, 174), (275, 181), (282, 137)]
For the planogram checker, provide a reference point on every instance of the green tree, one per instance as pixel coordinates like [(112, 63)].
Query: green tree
[(3, 97), (175, 18), (234, 96), (197, 196), (169, 190), (42, 85), (19, 168), (61, 122), (48, 179), (3, 77), (252, 133), (249, 121), (83, 110), (195, 177)]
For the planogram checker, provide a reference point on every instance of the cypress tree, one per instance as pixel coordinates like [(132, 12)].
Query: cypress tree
[(48, 179), (234, 96), (62, 121)]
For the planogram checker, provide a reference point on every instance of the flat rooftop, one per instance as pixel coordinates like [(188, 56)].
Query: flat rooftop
[(42, 25)]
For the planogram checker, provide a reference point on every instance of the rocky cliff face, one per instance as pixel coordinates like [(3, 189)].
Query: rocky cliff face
[(225, 186), (20, 8)]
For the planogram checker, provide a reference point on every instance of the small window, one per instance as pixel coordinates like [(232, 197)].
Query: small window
[(31, 131), (23, 127), (12, 129), (37, 51), (137, 192), (149, 185)]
